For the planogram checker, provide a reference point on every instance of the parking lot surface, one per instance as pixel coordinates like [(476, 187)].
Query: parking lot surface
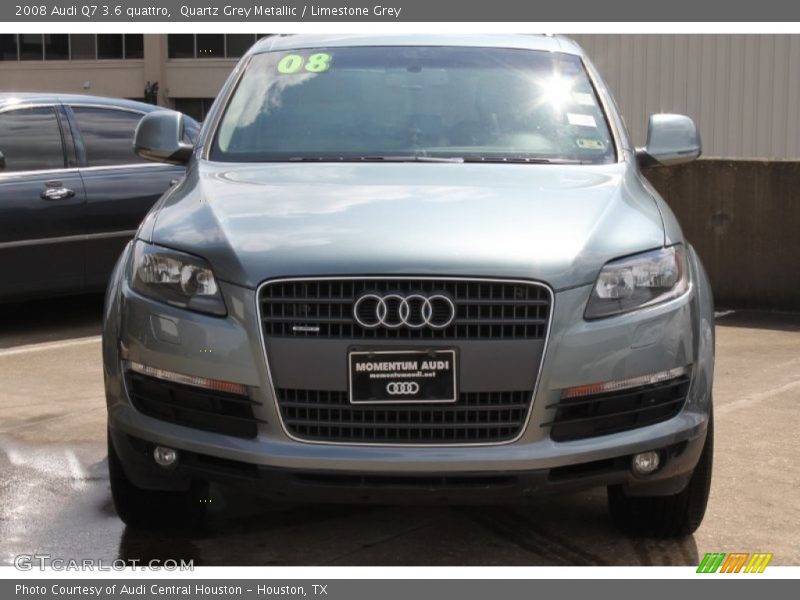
[(55, 499)]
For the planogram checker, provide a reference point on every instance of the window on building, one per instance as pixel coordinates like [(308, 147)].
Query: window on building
[(30, 46), (134, 46), (30, 139), (180, 45), (210, 45), (107, 135), (237, 44), (8, 46), (56, 46), (197, 108), (109, 46), (83, 46)]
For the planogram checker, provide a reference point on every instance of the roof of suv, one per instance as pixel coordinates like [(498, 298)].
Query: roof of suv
[(549, 43), (7, 98)]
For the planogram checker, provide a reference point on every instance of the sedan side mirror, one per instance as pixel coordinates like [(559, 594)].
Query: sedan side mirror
[(2, 161), (159, 136), (671, 140)]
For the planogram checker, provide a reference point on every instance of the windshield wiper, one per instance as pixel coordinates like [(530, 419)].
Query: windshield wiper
[(391, 158), (417, 158), (532, 160)]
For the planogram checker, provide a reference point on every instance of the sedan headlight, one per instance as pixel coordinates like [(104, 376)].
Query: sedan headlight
[(638, 281), (176, 278)]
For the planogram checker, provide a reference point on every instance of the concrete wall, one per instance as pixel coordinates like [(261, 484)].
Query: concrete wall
[(743, 91), (122, 78), (188, 78), (743, 218)]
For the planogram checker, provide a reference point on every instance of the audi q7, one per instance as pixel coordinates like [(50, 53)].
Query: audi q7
[(412, 269)]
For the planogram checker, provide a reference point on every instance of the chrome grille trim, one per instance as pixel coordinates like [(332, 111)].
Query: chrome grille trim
[(273, 389), (480, 310)]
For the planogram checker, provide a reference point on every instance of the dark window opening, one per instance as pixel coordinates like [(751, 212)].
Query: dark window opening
[(109, 46), (30, 46), (197, 108), (8, 46), (56, 46), (180, 45), (238, 43), (210, 45), (83, 46), (134, 46)]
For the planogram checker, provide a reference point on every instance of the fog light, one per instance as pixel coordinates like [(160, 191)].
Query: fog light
[(165, 457), (646, 462)]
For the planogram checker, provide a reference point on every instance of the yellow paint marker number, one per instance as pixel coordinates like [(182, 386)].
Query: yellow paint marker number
[(293, 63), (318, 63)]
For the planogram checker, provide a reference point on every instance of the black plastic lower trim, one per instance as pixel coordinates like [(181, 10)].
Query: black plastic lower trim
[(194, 407)]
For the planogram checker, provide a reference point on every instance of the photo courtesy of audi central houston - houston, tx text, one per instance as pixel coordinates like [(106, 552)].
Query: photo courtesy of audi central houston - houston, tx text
[(399, 299)]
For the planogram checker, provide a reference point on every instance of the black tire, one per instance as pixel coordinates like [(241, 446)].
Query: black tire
[(666, 516), (153, 509)]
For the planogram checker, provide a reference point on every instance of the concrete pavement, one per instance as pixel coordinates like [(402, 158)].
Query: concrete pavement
[(54, 495)]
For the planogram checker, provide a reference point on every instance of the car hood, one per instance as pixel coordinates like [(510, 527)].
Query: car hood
[(554, 223)]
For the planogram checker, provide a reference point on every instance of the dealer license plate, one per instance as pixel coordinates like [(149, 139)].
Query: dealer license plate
[(402, 376)]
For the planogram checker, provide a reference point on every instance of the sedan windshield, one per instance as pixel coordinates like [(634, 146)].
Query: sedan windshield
[(416, 104)]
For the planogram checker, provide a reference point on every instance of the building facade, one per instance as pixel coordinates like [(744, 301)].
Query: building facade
[(742, 90), (189, 69)]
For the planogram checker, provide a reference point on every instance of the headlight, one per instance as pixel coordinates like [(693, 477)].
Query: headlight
[(638, 281), (176, 278)]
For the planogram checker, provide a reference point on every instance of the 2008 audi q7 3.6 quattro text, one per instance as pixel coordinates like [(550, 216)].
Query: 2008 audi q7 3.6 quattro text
[(406, 268)]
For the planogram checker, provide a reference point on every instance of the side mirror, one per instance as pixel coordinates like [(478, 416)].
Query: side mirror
[(159, 137), (671, 140), (2, 161)]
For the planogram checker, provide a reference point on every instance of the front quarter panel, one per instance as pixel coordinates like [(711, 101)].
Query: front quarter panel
[(112, 320), (673, 234), (700, 395)]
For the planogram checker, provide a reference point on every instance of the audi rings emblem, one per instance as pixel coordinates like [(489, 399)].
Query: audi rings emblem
[(414, 311), (402, 388)]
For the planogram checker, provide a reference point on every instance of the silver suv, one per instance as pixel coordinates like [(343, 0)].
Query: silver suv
[(412, 269)]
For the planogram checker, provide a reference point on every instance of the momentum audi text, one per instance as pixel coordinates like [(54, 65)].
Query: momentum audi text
[(412, 269)]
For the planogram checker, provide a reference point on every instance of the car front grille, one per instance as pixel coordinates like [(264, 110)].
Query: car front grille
[(191, 406), (483, 309), (601, 414), (479, 417)]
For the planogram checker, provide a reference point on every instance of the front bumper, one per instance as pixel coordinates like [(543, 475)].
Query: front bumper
[(671, 335), (373, 487)]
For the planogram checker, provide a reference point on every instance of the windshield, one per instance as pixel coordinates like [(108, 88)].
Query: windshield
[(414, 103)]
